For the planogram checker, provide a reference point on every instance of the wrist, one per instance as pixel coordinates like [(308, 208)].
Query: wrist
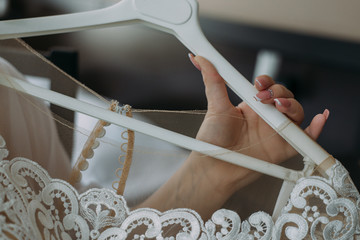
[(224, 178)]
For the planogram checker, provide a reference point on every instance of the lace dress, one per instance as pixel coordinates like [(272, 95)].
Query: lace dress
[(37, 204)]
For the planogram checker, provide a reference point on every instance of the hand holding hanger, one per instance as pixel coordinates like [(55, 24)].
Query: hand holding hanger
[(240, 129), (236, 128)]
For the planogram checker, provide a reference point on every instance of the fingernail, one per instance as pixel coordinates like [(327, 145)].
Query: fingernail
[(193, 61), (264, 95), (326, 113), (277, 101), (258, 82), (283, 102), (257, 98)]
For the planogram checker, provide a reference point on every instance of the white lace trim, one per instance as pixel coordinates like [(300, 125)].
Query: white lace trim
[(35, 206)]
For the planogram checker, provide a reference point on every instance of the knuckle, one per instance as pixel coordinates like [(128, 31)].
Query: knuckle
[(281, 91)]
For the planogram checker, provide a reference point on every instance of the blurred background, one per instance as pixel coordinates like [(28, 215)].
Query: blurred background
[(312, 47)]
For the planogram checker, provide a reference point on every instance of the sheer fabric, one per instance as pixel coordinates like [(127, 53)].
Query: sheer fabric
[(28, 132)]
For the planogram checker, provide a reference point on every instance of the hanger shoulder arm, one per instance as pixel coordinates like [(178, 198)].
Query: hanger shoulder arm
[(120, 13)]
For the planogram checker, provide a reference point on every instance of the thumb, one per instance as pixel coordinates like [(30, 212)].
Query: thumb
[(317, 124), (215, 88)]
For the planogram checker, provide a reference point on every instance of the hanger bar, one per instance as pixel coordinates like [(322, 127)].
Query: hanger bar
[(118, 14), (151, 130)]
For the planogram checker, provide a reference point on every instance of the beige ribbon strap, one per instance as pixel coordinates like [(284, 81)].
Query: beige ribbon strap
[(128, 157)]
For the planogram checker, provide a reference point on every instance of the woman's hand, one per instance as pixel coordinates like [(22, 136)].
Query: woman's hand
[(239, 128), (204, 183)]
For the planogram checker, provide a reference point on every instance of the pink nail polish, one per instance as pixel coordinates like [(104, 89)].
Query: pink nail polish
[(258, 82), (283, 102), (264, 95), (257, 98), (277, 101), (193, 61)]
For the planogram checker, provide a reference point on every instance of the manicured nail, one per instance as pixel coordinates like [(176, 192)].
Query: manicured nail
[(264, 95), (283, 102), (326, 113), (258, 82), (192, 59), (277, 101)]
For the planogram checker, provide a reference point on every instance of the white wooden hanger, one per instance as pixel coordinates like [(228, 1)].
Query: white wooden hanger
[(180, 18)]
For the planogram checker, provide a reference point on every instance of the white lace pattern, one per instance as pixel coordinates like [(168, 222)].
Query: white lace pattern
[(35, 206)]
